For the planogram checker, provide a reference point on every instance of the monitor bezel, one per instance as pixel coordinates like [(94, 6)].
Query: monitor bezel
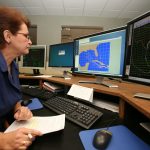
[(132, 22), (62, 66), (34, 47), (100, 33)]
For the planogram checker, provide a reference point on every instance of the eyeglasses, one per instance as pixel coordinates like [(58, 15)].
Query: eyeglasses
[(25, 35)]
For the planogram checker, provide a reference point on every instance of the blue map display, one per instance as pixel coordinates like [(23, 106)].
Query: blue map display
[(99, 62)]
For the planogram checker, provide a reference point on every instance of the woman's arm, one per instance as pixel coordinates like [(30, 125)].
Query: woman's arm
[(21, 112)]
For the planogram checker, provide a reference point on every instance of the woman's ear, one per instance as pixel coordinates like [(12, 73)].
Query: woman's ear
[(7, 36)]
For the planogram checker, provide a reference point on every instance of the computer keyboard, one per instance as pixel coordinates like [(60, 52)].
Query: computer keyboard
[(37, 92), (76, 112)]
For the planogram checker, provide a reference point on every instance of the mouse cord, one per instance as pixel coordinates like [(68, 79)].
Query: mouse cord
[(111, 122)]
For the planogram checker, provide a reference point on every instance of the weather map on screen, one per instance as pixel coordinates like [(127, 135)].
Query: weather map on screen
[(99, 62), (100, 54)]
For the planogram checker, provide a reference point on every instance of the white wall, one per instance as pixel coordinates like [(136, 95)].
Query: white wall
[(49, 30), (49, 27)]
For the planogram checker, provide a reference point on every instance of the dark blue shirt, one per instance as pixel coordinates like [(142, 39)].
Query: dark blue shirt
[(10, 92)]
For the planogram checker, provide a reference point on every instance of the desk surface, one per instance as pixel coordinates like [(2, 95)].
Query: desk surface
[(125, 91), (68, 139)]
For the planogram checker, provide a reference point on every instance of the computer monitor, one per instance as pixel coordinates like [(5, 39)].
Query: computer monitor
[(36, 59), (101, 54), (138, 46), (61, 55)]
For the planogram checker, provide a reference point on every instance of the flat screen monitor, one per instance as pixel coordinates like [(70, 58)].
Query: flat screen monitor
[(101, 54), (138, 45), (36, 59), (61, 55)]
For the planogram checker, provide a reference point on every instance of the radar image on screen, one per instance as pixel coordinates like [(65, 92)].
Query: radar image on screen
[(35, 58), (140, 55)]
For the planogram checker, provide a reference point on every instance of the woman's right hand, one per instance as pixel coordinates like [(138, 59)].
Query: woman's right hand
[(19, 139)]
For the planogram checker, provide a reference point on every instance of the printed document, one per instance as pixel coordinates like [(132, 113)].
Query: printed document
[(42, 124), (81, 92), (43, 76)]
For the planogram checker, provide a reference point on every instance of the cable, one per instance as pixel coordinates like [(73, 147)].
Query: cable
[(111, 122)]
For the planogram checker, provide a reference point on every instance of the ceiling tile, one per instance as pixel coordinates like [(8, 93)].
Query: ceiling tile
[(110, 14), (36, 11), (129, 14), (55, 11), (138, 5), (53, 3), (95, 4), (111, 8), (74, 3), (116, 4), (31, 3), (73, 12), (10, 3), (91, 12)]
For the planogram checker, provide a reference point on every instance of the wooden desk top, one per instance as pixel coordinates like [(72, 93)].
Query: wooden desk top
[(125, 90)]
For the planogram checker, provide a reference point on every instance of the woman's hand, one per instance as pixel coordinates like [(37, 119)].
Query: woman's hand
[(19, 139), (23, 113)]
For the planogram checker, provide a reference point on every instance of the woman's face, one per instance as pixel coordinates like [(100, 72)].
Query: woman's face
[(20, 42)]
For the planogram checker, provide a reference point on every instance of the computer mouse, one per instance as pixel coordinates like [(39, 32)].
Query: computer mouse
[(26, 102), (101, 139)]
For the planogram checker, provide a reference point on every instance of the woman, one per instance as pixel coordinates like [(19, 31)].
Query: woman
[(14, 41)]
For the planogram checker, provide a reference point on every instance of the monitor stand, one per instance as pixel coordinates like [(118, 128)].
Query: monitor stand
[(65, 76), (36, 72), (99, 80)]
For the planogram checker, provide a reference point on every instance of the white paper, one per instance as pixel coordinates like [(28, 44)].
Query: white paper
[(42, 124), (43, 76), (81, 92), (114, 107), (146, 125), (67, 78)]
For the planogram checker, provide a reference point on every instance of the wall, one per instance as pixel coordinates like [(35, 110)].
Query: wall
[(49, 30)]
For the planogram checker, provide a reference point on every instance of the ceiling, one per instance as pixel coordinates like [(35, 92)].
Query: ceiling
[(98, 8)]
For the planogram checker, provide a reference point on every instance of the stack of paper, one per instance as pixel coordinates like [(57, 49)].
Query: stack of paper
[(43, 76), (52, 87), (146, 125), (106, 104)]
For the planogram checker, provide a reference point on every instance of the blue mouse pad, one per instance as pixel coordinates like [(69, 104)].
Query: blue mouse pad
[(122, 139), (36, 104)]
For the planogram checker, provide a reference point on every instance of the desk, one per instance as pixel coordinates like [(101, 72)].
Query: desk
[(67, 139), (125, 92)]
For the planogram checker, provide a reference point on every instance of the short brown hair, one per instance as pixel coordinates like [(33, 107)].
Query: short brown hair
[(10, 19)]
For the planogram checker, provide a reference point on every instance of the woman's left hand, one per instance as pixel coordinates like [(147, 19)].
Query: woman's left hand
[(23, 113)]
